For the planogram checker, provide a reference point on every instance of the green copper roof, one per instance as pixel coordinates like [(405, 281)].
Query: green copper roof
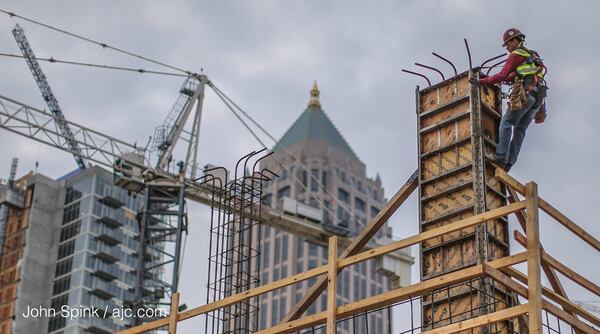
[(314, 124)]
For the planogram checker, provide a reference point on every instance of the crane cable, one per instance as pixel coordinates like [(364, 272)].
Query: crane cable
[(89, 40), (110, 67)]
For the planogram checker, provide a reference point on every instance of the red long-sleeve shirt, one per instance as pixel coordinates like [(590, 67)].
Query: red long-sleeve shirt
[(508, 72)]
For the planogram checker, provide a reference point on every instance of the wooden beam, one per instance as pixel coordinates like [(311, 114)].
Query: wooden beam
[(341, 263), (173, 314), (332, 286), (437, 232), (569, 318), (381, 300), (549, 209), (485, 319), (563, 269), (533, 259), (565, 303), (397, 295), (357, 245), (579, 279), (550, 273)]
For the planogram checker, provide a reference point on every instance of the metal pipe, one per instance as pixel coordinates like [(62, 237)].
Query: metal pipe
[(417, 74), (496, 64), (469, 54), (492, 59), (433, 69), (446, 60)]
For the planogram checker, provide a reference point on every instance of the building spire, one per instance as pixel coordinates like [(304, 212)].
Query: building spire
[(314, 96)]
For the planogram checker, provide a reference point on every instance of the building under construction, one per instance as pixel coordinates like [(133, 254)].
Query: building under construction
[(470, 280)]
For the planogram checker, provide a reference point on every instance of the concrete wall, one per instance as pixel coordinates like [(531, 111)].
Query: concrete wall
[(39, 256)]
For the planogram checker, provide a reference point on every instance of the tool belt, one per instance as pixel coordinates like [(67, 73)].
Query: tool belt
[(517, 98)]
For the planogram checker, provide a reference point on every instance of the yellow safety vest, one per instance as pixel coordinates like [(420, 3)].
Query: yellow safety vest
[(528, 67)]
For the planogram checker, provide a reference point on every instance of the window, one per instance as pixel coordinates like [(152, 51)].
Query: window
[(61, 285), (266, 246), (300, 248), (359, 205), (267, 199), (314, 180), (274, 319), (343, 195), (374, 211), (69, 231), (64, 267), (324, 179), (70, 213), (277, 250), (313, 202), (312, 250), (72, 195), (304, 178), (283, 192), (66, 249)]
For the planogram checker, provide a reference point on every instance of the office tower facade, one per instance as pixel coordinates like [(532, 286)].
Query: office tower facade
[(317, 169), (73, 266)]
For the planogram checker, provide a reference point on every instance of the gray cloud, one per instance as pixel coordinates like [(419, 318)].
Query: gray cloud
[(265, 55)]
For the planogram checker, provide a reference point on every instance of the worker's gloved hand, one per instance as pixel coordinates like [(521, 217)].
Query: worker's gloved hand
[(474, 81)]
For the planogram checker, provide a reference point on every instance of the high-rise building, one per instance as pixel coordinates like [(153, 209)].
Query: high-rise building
[(318, 168), (69, 254)]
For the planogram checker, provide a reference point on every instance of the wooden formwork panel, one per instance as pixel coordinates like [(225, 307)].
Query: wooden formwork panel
[(449, 191), (440, 163)]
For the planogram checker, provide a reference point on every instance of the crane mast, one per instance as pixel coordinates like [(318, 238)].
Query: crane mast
[(48, 96)]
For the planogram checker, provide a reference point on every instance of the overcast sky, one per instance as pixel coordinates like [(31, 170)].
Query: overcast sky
[(266, 54)]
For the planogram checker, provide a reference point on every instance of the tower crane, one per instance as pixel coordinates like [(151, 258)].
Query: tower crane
[(139, 169), (48, 96)]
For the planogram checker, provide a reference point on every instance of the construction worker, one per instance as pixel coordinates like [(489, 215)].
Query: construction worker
[(520, 68)]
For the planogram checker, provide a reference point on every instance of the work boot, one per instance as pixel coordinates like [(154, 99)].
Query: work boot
[(491, 157)]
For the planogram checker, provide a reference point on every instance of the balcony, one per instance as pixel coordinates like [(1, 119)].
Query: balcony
[(102, 326), (107, 253), (107, 234), (105, 271), (111, 201), (104, 290), (110, 222)]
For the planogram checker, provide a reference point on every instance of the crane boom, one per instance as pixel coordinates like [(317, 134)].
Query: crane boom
[(104, 150), (48, 96)]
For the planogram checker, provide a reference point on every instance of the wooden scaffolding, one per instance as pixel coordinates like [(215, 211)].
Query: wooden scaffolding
[(469, 280)]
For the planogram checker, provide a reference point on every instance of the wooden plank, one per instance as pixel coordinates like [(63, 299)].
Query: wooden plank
[(467, 222), (342, 262), (332, 285), (550, 273), (545, 304), (521, 290), (563, 269), (533, 259), (397, 295), (173, 314), (550, 210), (486, 319), (357, 245), (381, 300), (569, 318)]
